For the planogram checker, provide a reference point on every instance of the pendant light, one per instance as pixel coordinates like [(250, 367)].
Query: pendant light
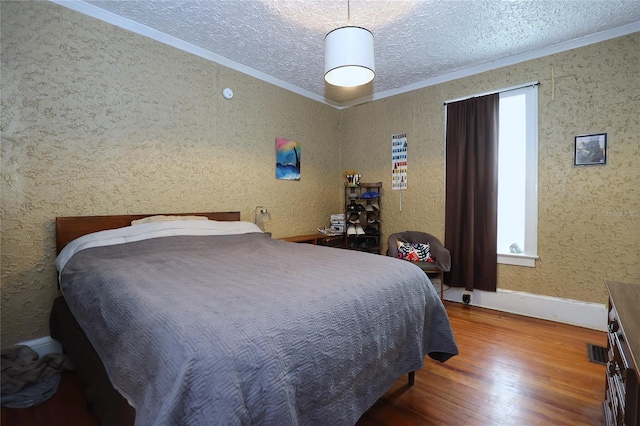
[(348, 56)]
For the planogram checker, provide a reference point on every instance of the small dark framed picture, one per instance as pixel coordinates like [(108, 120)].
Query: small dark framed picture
[(590, 150)]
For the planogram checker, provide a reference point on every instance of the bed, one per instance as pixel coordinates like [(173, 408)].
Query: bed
[(202, 322)]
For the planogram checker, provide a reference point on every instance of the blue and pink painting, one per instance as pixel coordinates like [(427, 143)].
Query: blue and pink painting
[(287, 159)]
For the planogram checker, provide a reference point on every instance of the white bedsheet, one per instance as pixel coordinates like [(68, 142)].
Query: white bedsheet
[(153, 230)]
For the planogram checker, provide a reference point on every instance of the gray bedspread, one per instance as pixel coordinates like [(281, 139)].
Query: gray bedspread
[(243, 329)]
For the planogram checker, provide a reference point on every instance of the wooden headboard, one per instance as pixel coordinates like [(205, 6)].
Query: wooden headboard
[(68, 228)]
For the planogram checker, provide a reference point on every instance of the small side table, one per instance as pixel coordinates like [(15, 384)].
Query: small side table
[(317, 239)]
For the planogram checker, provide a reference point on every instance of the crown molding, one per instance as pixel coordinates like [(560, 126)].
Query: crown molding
[(143, 30), (512, 60), (127, 24)]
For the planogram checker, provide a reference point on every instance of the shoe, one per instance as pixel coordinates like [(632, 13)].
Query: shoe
[(359, 207), (354, 218), (370, 230), (351, 230), (375, 206), (369, 243), (352, 207), (373, 218), (369, 195), (368, 208), (359, 230)]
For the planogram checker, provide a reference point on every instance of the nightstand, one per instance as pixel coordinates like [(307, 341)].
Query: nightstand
[(317, 239)]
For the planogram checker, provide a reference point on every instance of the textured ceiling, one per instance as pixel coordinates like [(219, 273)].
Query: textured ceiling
[(416, 42)]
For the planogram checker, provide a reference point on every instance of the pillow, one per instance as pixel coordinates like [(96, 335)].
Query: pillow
[(164, 218), (415, 252)]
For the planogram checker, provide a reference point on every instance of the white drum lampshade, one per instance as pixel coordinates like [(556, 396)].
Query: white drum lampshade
[(348, 57)]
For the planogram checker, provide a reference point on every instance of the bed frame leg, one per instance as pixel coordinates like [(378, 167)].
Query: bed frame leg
[(412, 378)]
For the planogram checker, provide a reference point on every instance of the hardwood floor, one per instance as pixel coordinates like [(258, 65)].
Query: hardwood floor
[(511, 370)]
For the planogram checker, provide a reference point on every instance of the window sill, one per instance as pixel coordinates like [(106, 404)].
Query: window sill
[(517, 259)]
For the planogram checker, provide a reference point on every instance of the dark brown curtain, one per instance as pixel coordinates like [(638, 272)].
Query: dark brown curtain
[(471, 206)]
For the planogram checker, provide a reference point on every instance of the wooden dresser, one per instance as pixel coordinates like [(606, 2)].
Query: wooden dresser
[(622, 393)]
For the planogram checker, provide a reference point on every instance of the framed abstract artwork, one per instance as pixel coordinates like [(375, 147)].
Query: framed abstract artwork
[(287, 159)]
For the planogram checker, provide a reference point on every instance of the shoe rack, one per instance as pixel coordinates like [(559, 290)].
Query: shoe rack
[(362, 208)]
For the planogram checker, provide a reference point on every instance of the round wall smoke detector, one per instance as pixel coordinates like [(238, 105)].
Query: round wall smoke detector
[(227, 93)]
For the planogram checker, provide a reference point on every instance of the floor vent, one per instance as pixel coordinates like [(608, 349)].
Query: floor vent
[(597, 354)]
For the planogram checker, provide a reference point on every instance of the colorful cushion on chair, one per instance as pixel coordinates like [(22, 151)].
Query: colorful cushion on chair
[(415, 252)]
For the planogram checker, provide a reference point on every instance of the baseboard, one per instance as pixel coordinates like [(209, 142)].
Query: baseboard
[(567, 311), (44, 345)]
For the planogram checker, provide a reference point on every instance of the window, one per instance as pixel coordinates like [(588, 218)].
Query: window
[(518, 177)]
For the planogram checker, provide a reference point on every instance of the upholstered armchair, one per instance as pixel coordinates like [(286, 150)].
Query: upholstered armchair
[(440, 255)]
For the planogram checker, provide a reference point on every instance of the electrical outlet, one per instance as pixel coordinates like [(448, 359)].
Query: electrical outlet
[(466, 298)]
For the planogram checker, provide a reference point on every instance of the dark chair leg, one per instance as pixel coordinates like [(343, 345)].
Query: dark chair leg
[(412, 378)]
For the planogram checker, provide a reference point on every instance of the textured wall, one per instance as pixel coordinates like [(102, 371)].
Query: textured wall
[(589, 217), (97, 120)]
